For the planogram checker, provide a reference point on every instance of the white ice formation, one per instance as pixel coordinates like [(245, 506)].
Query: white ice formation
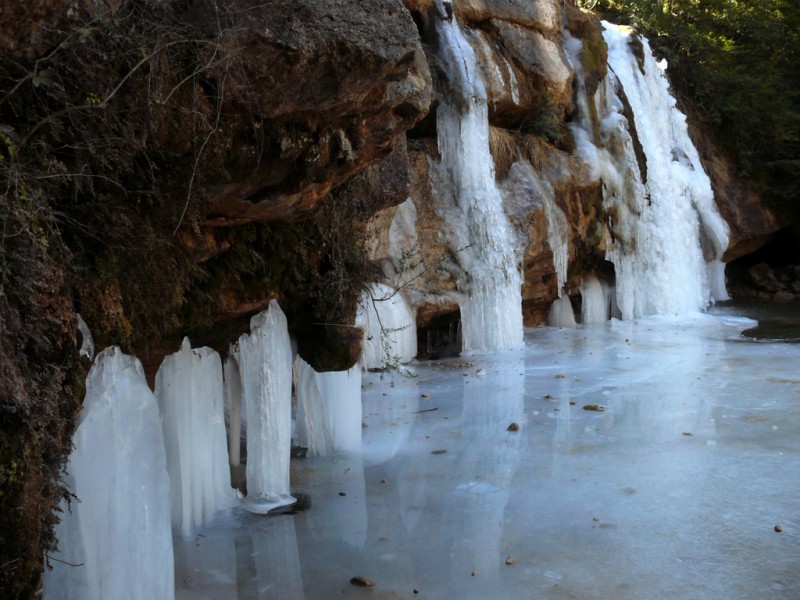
[(233, 407), (595, 300), (561, 313), (668, 235), (264, 358), (87, 342), (390, 332), (115, 540), (328, 409), (189, 392), (491, 311)]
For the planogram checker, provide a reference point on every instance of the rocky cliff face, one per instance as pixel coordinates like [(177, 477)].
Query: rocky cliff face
[(553, 199), (171, 166)]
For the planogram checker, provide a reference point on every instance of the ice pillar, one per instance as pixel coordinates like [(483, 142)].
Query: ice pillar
[(189, 392), (116, 541), (265, 367), (328, 409)]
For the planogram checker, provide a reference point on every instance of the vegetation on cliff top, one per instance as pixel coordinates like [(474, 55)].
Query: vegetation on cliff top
[(735, 65)]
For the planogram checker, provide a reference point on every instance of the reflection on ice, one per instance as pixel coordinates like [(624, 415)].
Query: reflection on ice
[(671, 492)]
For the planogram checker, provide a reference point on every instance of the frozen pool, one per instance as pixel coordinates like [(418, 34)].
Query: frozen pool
[(673, 490)]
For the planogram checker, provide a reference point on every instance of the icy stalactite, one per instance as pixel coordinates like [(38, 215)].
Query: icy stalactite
[(558, 239), (662, 215), (390, 332), (561, 313), (328, 409), (406, 266), (595, 300), (491, 311), (264, 358), (233, 409), (118, 533), (87, 342), (190, 395)]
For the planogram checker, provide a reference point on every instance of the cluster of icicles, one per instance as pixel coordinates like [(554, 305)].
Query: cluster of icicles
[(145, 464)]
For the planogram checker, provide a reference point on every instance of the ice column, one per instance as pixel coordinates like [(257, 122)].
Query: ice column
[(265, 368), (189, 392), (491, 312), (233, 402), (595, 301), (676, 217), (561, 313), (557, 239), (328, 409), (119, 532), (390, 332)]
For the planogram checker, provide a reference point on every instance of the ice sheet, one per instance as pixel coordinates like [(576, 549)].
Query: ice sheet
[(671, 491)]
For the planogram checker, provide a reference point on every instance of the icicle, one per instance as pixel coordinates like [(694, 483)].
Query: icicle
[(189, 392), (557, 239), (328, 409), (594, 300), (491, 312), (115, 542), (561, 313), (265, 366), (87, 342), (233, 402), (390, 332)]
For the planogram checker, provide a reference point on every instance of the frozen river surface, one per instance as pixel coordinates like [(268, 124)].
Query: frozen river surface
[(673, 490)]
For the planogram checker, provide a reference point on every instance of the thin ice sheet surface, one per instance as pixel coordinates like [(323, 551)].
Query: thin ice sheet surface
[(672, 491)]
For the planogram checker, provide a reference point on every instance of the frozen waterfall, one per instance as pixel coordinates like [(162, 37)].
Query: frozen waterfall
[(678, 215), (491, 312), (328, 409), (115, 541), (264, 359), (668, 235), (189, 392)]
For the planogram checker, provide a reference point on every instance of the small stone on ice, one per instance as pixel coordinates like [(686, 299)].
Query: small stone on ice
[(513, 427), (474, 573), (416, 591), (361, 581), (778, 528), (510, 560)]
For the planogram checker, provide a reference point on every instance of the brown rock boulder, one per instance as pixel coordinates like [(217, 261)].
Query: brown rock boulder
[(542, 15), (364, 82), (541, 57)]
